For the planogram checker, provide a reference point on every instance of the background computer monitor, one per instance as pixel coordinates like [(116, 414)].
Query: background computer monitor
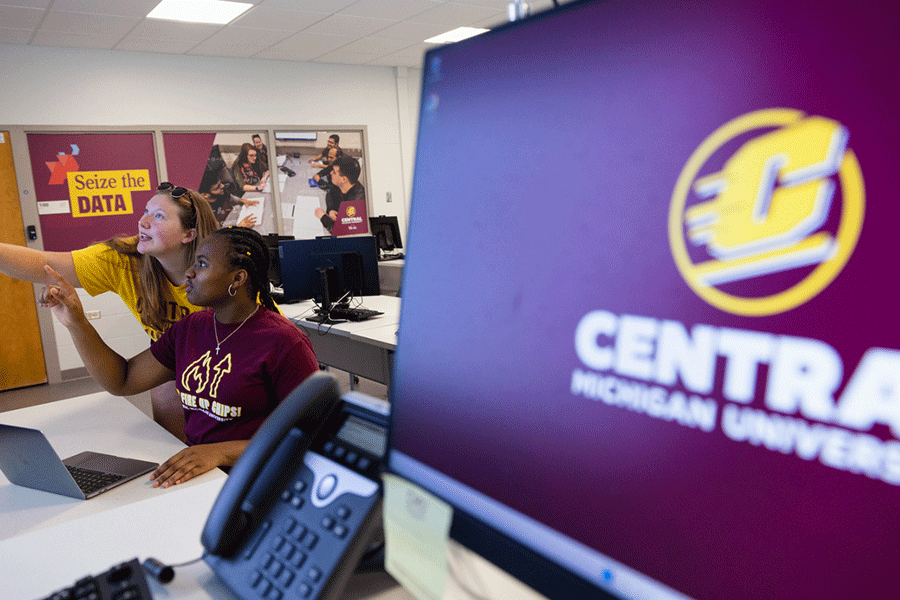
[(271, 240), (386, 231), (350, 265), (648, 333)]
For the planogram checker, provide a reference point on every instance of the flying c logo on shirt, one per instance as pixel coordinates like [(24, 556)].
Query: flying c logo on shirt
[(773, 201)]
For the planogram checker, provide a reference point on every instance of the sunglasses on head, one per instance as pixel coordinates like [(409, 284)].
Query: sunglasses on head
[(175, 192)]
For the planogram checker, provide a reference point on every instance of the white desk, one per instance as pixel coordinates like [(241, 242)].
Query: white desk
[(99, 422), (47, 542), (363, 348), (167, 528)]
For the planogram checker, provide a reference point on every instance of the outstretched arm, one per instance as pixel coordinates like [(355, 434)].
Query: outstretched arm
[(117, 375), (27, 264)]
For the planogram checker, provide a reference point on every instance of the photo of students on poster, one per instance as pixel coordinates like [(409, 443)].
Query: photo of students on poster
[(229, 169), (312, 205)]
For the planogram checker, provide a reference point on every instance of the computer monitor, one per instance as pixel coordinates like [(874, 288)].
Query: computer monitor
[(329, 269), (272, 240), (649, 334), (386, 231)]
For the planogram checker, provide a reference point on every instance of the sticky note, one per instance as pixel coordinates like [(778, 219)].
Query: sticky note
[(416, 526)]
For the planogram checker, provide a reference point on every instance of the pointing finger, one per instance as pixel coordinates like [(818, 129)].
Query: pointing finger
[(54, 274)]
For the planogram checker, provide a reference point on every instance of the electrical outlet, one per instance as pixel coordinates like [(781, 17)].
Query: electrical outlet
[(92, 314), (388, 196)]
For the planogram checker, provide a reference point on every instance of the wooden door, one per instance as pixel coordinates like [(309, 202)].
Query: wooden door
[(21, 351)]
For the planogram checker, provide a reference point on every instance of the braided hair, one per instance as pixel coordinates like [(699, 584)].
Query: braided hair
[(247, 250)]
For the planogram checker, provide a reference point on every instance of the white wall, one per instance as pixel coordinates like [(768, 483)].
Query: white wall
[(73, 88)]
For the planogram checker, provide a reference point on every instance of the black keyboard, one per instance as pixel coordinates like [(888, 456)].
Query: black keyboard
[(353, 314), (126, 581), (337, 314), (90, 481)]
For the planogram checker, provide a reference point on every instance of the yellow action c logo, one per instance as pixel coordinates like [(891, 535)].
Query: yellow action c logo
[(764, 211)]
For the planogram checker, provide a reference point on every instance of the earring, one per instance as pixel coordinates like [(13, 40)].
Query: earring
[(231, 292)]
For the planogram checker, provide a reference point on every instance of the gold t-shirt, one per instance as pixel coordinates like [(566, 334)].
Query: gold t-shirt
[(102, 269)]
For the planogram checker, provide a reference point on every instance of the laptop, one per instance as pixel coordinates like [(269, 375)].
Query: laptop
[(27, 459)]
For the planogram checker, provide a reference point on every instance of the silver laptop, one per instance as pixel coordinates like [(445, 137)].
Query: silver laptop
[(27, 459)]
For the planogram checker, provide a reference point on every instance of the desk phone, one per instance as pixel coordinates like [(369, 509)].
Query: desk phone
[(303, 503)]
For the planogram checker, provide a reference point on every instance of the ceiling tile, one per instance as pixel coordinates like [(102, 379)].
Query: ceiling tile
[(393, 9), (413, 32), (376, 46), (492, 22), (15, 36), (28, 3), (282, 19), (324, 6), (87, 24), (304, 46), (14, 17), (174, 30), (348, 25), (301, 30), (238, 42), (131, 8), (533, 5), (495, 4), (455, 15)]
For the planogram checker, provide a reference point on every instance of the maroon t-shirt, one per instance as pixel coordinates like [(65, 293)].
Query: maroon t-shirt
[(227, 396)]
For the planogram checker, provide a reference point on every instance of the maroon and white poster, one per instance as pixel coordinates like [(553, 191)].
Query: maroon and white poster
[(90, 186)]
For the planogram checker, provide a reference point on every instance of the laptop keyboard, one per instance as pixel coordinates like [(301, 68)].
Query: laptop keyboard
[(90, 481)]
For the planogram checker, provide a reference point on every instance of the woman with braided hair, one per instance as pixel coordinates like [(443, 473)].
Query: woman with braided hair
[(232, 363)]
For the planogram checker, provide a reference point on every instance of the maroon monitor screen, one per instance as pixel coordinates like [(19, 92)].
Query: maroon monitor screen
[(650, 316)]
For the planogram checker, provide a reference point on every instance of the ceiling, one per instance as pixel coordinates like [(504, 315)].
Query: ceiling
[(357, 32)]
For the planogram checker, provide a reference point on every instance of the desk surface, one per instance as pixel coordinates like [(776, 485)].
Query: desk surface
[(99, 422), (48, 542), (371, 331), (389, 305), (166, 527)]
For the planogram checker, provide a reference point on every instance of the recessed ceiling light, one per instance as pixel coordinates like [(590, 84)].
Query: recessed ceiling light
[(460, 33), (216, 12)]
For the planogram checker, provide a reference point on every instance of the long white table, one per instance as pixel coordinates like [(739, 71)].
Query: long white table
[(48, 542), (363, 348), (99, 422), (166, 528)]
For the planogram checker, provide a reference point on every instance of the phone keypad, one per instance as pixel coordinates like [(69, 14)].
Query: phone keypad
[(280, 566), (285, 567)]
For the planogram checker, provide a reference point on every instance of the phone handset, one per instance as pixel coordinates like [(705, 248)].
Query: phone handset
[(284, 436)]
